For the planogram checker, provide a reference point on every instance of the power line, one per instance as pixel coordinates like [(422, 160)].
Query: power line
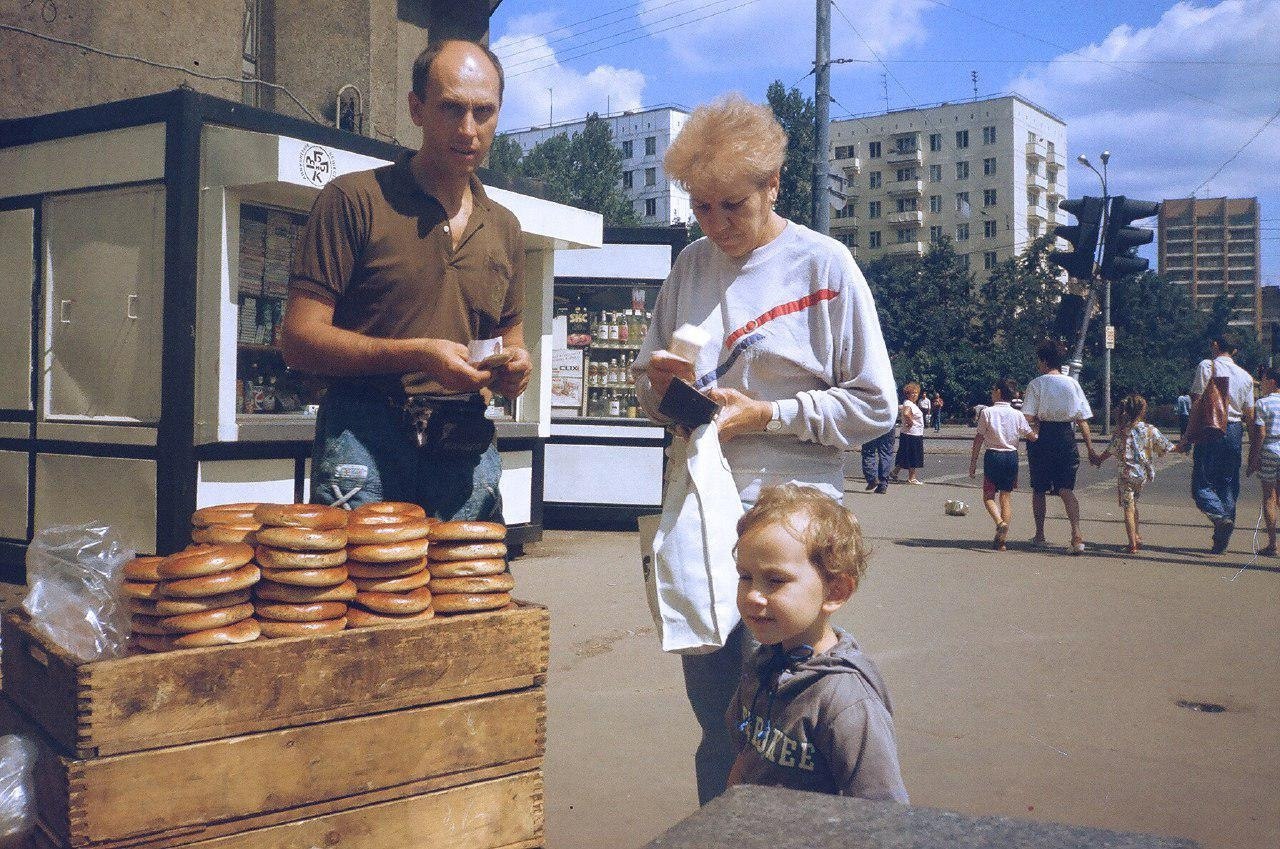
[(580, 33), (154, 64), (1239, 150), (571, 24), (873, 52), (649, 34)]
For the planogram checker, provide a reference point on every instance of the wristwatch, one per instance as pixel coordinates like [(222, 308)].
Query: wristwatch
[(775, 423)]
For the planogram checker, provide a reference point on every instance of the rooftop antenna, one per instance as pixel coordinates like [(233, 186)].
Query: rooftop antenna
[(884, 82), (973, 75)]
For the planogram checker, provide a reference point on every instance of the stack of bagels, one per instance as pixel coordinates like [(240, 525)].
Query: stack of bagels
[(386, 551), (302, 549), (468, 566), (201, 598), (225, 524)]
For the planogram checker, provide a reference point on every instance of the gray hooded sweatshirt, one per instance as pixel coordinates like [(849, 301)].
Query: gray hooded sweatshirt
[(820, 724)]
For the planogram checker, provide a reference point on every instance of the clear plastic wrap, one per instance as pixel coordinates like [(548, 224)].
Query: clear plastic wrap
[(75, 573), (17, 792)]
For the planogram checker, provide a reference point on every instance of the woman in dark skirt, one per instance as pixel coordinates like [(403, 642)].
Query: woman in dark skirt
[(911, 442)]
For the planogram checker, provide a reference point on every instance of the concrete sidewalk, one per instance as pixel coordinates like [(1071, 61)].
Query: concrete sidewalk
[(1025, 683)]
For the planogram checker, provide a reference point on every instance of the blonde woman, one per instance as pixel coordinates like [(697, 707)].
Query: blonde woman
[(796, 359)]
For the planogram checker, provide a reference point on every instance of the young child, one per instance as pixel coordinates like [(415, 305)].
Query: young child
[(1000, 427), (1134, 444), (911, 442), (1266, 462), (811, 712)]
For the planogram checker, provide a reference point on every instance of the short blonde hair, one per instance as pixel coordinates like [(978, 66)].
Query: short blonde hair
[(728, 140), (831, 536)]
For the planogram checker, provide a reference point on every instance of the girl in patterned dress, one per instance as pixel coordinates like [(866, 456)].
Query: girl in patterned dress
[(1134, 445)]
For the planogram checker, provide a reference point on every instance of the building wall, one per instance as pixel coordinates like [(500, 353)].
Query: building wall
[(1019, 166), (1211, 246), (670, 202)]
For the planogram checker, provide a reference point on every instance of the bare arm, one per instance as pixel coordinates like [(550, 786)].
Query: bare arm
[(1083, 425), (312, 343), (973, 454)]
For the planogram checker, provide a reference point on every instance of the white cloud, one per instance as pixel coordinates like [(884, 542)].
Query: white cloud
[(1167, 123), (714, 36), (537, 80)]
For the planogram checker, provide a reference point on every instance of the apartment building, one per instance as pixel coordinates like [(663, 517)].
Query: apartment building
[(1211, 246), (988, 174), (643, 136)]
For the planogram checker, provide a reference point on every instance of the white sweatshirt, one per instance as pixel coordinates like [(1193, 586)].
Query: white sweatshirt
[(793, 322)]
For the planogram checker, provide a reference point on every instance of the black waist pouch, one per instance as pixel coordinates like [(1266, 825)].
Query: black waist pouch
[(449, 426)]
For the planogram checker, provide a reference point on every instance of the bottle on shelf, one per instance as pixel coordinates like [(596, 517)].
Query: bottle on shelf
[(624, 328), (615, 403)]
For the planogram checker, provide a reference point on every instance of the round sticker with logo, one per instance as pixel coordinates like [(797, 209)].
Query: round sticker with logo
[(316, 165)]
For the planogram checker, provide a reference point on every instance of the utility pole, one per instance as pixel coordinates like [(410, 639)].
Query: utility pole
[(822, 136), (1106, 296)]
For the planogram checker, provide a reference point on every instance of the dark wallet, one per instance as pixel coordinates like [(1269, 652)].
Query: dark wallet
[(687, 406)]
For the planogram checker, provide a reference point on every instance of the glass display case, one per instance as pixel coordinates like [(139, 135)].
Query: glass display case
[(605, 324)]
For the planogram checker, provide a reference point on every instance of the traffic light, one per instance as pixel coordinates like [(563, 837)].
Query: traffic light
[(1120, 249), (1083, 236)]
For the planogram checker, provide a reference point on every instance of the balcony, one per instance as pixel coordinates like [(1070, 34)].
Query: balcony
[(905, 249), (852, 167), (1037, 212), (906, 187), (904, 157), (841, 220), (1053, 158), (1037, 151), (1036, 180), (914, 217)]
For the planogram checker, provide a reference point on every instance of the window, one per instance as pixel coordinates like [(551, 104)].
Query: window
[(988, 197), (935, 203), (964, 261), (989, 229), (873, 209), (873, 150), (935, 142), (962, 170), (935, 173), (651, 207), (962, 203), (873, 239), (905, 234), (962, 232), (844, 152), (873, 180), (962, 139), (626, 149), (650, 145), (628, 179), (905, 144), (935, 233), (989, 260), (650, 176), (905, 174), (849, 240), (988, 135), (989, 166), (910, 204), (846, 211)]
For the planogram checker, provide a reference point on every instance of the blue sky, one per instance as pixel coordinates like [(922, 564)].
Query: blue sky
[(1172, 90)]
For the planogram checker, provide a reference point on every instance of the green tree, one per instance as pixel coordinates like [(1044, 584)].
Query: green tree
[(797, 115), (582, 170), (505, 155)]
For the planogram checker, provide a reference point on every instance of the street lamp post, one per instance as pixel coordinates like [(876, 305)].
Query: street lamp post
[(1105, 156)]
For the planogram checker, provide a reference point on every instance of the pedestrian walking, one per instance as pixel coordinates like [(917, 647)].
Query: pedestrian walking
[(999, 428), (911, 442), (1055, 402), (877, 462), (1134, 444), (1264, 454), (937, 412), (1215, 463), (1183, 408)]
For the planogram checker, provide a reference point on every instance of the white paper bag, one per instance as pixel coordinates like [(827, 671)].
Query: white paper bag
[(687, 552)]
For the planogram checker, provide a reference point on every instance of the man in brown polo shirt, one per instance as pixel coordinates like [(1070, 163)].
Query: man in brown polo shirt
[(397, 270)]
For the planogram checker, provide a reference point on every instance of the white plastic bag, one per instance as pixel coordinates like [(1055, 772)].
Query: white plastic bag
[(17, 791), (689, 573), (75, 573)]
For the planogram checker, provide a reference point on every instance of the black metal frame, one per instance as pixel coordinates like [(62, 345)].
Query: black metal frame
[(184, 112)]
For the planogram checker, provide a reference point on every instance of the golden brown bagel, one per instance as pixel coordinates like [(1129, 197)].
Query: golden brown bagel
[(142, 606), (371, 534), (331, 577), (398, 569), (358, 617), (140, 589), (316, 516), (244, 631), (224, 514), (501, 583), (317, 611), (390, 508), (179, 606), (414, 601), (146, 625), (393, 585), (467, 568), (189, 623), (444, 551), (281, 558), (207, 585), (209, 560), (303, 539), (468, 531), (469, 602), (388, 552), (226, 534), (142, 569), (271, 591), (271, 628)]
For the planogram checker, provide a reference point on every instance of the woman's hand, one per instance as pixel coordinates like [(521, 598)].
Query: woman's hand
[(739, 413), (663, 366)]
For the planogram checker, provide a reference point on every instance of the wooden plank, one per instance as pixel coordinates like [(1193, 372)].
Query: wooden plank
[(502, 813), (150, 701), (41, 678)]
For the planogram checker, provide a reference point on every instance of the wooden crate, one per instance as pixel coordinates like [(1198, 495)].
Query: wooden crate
[(113, 707)]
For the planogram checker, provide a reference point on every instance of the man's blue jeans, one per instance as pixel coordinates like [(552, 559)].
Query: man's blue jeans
[(877, 459), (364, 453), (1215, 474)]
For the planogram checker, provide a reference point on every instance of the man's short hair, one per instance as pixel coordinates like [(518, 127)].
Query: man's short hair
[(1226, 343), (1007, 387), (422, 65), (1052, 353), (831, 536)]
